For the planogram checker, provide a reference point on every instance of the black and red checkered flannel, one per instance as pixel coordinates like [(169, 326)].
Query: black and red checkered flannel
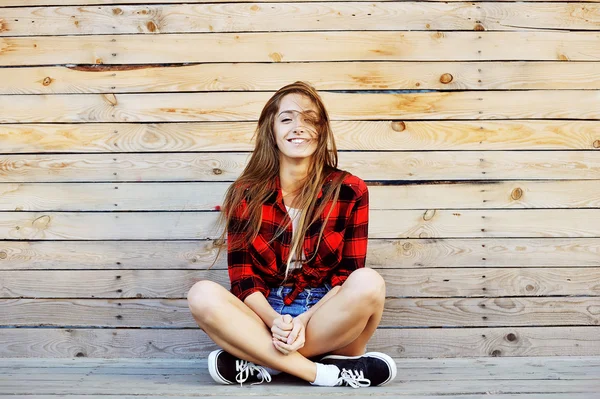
[(343, 248)]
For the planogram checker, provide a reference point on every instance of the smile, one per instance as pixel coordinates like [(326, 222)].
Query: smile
[(297, 141)]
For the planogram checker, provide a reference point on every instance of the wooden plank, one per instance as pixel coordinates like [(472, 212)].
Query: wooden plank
[(396, 135), (380, 166), (410, 369), (193, 196), (398, 312), (389, 254), (430, 223), (9, 3), (488, 395), (399, 343), (323, 75), (201, 385), (424, 283), (269, 17), (300, 46), (244, 106)]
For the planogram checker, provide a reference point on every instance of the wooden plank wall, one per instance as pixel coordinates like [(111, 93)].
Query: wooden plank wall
[(476, 126)]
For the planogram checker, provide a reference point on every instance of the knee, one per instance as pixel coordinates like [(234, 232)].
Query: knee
[(367, 285), (203, 299)]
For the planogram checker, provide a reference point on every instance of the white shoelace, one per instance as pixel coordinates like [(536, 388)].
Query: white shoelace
[(245, 369), (355, 379)]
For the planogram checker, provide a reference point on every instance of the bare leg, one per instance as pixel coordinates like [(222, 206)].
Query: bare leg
[(346, 322), (238, 330)]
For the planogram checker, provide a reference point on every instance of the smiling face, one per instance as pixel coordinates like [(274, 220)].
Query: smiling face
[(295, 128)]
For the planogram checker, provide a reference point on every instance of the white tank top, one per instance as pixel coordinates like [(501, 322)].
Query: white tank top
[(294, 213)]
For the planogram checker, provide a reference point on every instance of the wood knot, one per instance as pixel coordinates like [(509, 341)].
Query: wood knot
[(117, 11), (516, 193), (407, 246), (398, 126), (111, 98), (47, 81), (530, 287), (496, 352), (446, 78), (3, 255), (151, 26), (424, 234), (429, 214), (479, 27), (217, 171), (597, 144), (255, 8), (511, 337), (276, 57)]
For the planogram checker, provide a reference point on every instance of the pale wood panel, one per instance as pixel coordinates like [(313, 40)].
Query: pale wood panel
[(194, 196), (399, 343), (405, 312), (406, 253), (554, 395), (430, 223), (472, 165), (270, 17), (349, 135), (245, 106), (456, 282), (323, 75), (301, 46), (411, 369), (97, 384), (8, 3)]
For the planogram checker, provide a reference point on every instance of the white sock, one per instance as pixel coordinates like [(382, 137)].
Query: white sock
[(327, 375)]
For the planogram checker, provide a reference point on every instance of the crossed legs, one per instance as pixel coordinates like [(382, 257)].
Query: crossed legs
[(343, 325)]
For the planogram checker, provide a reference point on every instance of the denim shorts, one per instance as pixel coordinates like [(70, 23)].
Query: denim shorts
[(304, 301)]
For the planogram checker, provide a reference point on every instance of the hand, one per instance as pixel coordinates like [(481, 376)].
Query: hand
[(295, 340), (282, 326)]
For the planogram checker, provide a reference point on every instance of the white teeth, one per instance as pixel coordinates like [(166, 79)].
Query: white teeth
[(297, 141)]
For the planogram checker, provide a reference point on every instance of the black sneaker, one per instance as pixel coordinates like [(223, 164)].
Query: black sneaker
[(371, 369), (225, 368)]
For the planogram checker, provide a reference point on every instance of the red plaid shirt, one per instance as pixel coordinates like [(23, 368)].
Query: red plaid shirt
[(343, 248)]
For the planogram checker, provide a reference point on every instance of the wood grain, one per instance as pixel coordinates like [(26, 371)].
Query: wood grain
[(244, 106), (8, 3), (278, 17), (388, 254), (300, 46), (546, 75), (380, 166), (205, 196), (429, 223), (399, 135), (417, 283), (399, 343), (403, 312)]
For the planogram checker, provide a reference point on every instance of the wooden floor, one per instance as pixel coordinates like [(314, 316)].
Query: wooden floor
[(499, 378)]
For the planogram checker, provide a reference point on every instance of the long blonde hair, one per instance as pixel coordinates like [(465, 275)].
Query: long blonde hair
[(263, 166)]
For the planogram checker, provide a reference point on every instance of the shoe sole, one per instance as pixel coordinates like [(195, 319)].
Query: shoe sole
[(387, 359), (212, 368)]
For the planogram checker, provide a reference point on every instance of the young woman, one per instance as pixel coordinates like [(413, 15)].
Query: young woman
[(301, 300)]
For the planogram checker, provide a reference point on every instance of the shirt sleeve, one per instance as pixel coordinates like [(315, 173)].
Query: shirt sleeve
[(242, 274), (354, 252)]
